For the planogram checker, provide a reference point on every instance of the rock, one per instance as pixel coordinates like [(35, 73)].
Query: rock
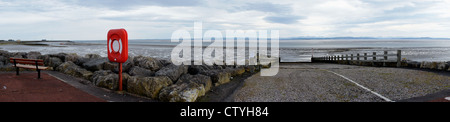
[(92, 56), (165, 62), (5, 53), (413, 64), (187, 89), (73, 57), (61, 56), (442, 66), (113, 66), (3, 60), (434, 65), (148, 86), (126, 66), (108, 79), (250, 68), (19, 54), (53, 62), (235, 71), (95, 64), (220, 78), (33, 55), (138, 71), (148, 63), (425, 65), (172, 71), (72, 69), (239, 71)]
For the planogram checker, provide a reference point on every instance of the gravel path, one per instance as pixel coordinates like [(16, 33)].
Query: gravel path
[(312, 82)]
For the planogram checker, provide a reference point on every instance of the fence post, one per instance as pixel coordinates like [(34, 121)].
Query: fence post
[(385, 55), (365, 56), (399, 58), (374, 56), (346, 57), (351, 57), (357, 56)]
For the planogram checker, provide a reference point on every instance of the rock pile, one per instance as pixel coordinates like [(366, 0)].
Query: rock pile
[(146, 76)]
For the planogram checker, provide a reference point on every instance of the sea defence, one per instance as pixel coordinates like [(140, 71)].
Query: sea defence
[(154, 78), (381, 60)]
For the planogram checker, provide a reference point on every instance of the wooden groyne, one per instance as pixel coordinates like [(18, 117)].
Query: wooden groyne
[(364, 59)]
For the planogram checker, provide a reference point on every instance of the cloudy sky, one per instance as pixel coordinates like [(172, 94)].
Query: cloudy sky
[(157, 19)]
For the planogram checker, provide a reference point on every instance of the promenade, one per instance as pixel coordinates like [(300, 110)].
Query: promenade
[(322, 82)]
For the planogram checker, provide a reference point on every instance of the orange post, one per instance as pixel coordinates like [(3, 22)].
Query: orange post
[(120, 76)]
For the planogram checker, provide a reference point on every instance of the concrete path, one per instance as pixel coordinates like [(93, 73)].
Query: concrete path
[(320, 82)]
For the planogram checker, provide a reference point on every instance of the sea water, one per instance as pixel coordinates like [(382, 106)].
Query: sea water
[(290, 50)]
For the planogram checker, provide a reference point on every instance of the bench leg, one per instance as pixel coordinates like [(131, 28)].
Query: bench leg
[(39, 74), (17, 70)]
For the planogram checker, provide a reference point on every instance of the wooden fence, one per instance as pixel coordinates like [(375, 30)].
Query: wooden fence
[(362, 59)]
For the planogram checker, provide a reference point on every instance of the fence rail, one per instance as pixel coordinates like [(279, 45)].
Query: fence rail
[(349, 58)]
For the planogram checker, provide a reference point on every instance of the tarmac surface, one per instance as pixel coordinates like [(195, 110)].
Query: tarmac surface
[(27, 88), (321, 82), (56, 87)]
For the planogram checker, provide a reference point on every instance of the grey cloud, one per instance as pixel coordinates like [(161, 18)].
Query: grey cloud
[(285, 19), (264, 7), (130, 4)]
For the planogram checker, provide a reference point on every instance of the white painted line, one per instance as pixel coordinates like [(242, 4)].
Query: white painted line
[(447, 98), (377, 94)]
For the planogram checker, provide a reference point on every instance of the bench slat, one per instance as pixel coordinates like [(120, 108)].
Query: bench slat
[(28, 62), (31, 67), (22, 59)]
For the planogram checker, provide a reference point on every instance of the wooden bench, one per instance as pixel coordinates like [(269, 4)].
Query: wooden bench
[(37, 64)]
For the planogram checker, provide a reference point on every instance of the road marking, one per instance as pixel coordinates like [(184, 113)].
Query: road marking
[(365, 88), (379, 95), (447, 98)]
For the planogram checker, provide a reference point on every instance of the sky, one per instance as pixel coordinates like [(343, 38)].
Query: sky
[(158, 19)]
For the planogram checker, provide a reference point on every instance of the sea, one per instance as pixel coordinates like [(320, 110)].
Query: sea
[(291, 50)]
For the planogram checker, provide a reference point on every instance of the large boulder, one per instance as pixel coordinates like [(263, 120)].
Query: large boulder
[(114, 66), (172, 71), (3, 60), (108, 79), (61, 56), (74, 70), (187, 89), (5, 53), (92, 56), (235, 71), (53, 62), (442, 66), (73, 57), (217, 73), (138, 71), (148, 63), (33, 55), (220, 78), (165, 62), (19, 54), (95, 64), (148, 86), (413, 64)]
